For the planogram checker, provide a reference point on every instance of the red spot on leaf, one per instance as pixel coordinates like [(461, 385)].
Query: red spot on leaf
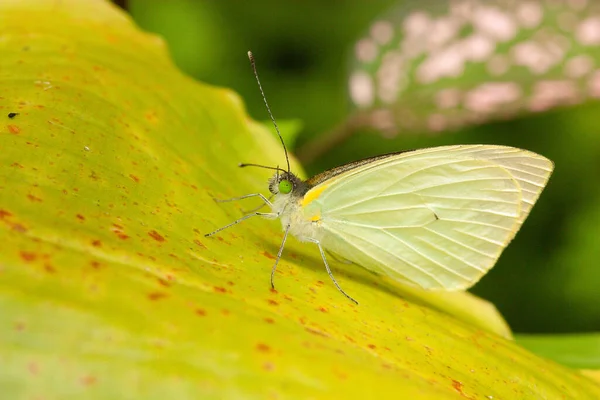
[(156, 236), (28, 256), (156, 296), (122, 236), (458, 386), (80, 217), (199, 243), (135, 178), (4, 214), (269, 320), (263, 348), (13, 129), (269, 256), (323, 309), (219, 289), (200, 312)]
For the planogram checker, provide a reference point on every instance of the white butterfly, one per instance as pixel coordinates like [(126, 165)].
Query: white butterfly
[(437, 218)]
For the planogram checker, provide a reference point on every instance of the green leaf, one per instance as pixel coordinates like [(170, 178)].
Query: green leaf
[(575, 350), (109, 289)]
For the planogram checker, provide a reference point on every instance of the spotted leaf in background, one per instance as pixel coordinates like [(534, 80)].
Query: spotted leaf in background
[(434, 66)]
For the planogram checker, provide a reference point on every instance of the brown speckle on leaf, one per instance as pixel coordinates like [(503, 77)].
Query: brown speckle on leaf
[(13, 129), (268, 366), (88, 380), (163, 282), (135, 178), (371, 346), (263, 348), (28, 256), (96, 243), (272, 302), (95, 264), (219, 289), (200, 312), (316, 331), (458, 386), (80, 217), (33, 198), (18, 228), (49, 268), (156, 236), (268, 255), (4, 214), (33, 368), (156, 296), (269, 320)]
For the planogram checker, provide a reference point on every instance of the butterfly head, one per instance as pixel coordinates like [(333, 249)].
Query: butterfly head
[(283, 182)]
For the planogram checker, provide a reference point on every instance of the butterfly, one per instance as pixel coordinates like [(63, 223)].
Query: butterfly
[(436, 218)]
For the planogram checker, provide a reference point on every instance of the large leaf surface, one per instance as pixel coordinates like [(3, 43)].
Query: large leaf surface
[(108, 288)]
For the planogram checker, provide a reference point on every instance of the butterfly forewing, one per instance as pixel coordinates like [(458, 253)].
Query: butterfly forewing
[(437, 218)]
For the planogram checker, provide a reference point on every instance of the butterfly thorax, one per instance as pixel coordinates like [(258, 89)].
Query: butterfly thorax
[(289, 205)]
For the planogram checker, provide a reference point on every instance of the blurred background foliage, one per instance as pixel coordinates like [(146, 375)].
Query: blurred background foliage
[(548, 278)]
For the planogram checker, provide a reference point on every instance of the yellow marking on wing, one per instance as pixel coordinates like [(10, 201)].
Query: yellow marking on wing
[(313, 194)]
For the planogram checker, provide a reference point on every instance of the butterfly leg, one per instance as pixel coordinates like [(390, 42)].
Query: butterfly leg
[(245, 217), (259, 207), (318, 243), (262, 197), (287, 229)]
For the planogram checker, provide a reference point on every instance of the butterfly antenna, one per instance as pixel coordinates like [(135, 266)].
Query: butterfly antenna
[(253, 63)]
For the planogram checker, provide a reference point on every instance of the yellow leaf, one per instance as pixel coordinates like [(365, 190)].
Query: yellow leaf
[(108, 288)]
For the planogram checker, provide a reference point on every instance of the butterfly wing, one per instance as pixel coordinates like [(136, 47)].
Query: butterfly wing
[(438, 218)]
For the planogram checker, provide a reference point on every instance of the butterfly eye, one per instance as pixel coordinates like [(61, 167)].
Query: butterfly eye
[(285, 186)]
